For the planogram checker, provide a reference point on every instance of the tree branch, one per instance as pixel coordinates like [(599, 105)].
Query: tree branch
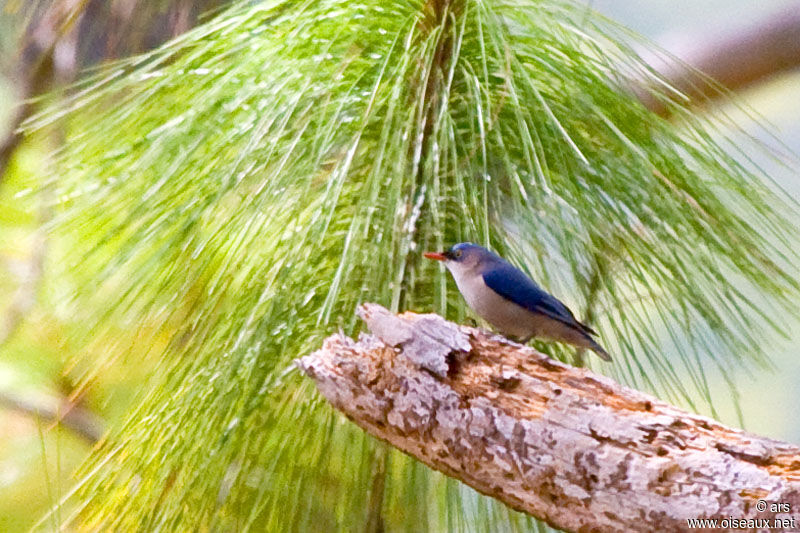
[(53, 411), (570, 447), (734, 59), (47, 56)]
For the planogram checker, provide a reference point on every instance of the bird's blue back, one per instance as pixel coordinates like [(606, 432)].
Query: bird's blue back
[(512, 284)]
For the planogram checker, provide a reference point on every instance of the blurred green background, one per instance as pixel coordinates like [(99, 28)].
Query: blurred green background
[(37, 459)]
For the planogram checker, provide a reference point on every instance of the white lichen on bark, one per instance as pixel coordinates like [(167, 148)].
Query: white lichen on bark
[(570, 447)]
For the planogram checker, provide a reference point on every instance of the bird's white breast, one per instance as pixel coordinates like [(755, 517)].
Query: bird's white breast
[(508, 317)]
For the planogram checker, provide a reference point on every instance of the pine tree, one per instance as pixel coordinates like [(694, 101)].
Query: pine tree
[(245, 186)]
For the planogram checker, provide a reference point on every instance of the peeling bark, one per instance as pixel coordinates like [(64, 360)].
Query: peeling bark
[(570, 447)]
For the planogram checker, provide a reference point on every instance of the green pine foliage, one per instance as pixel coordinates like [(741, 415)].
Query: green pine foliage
[(233, 196)]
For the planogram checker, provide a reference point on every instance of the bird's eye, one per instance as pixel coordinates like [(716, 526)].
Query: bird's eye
[(458, 254)]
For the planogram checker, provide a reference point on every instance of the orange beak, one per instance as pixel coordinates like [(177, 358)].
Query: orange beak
[(436, 256)]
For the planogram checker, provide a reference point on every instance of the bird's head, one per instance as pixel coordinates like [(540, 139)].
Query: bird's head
[(462, 256)]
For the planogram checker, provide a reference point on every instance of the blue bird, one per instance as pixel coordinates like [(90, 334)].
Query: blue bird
[(509, 300)]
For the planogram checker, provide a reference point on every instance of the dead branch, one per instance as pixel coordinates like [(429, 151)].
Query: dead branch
[(570, 447)]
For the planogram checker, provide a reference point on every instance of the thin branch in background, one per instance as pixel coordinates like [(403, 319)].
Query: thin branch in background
[(47, 58), (69, 414), (31, 272), (733, 59), (36, 81)]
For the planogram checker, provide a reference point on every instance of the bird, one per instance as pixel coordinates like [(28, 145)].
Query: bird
[(512, 302)]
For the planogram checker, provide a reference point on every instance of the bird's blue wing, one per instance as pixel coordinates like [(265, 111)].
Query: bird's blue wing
[(512, 284)]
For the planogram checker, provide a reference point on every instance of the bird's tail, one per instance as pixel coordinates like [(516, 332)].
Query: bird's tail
[(596, 348)]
